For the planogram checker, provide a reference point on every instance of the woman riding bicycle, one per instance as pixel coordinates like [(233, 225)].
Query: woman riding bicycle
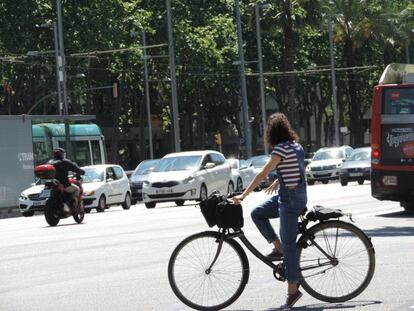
[(288, 158)]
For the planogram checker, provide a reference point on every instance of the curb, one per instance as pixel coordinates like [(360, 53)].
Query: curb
[(9, 212)]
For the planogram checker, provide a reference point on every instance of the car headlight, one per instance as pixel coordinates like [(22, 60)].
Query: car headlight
[(344, 170), (339, 165), (367, 169), (145, 183), (23, 197), (308, 168), (90, 192), (189, 179)]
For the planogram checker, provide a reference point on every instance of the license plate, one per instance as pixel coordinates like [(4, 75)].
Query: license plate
[(38, 203), (161, 191), (44, 194), (355, 174)]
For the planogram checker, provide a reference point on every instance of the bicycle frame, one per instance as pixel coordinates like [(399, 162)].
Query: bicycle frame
[(278, 269)]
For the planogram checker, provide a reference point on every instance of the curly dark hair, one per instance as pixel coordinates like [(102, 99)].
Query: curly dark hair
[(278, 130)]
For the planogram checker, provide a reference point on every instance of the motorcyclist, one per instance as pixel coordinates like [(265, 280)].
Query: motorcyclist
[(63, 166)]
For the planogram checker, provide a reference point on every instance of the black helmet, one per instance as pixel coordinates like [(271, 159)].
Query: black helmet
[(59, 153)]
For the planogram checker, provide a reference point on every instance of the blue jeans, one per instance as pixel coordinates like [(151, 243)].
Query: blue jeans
[(288, 205)]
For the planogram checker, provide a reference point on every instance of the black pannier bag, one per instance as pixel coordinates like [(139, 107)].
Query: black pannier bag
[(208, 208), (229, 215), (217, 210)]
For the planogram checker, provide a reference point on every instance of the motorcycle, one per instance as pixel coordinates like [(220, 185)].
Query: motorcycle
[(59, 203)]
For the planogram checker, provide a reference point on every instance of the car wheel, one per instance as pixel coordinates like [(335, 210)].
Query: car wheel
[(101, 204), (87, 210), (203, 192), (239, 185), (311, 182), (361, 181), (179, 202), (344, 183), (28, 214), (230, 188), (127, 202), (325, 181), (150, 204)]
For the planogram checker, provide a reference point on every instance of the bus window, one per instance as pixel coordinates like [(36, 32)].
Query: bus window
[(398, 101), (80, 151), (96, 152), (40, 152)]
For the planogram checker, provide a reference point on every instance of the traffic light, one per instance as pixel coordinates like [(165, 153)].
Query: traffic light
[(217, 138)]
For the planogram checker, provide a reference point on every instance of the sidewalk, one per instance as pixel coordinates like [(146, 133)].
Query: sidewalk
[(10, 212)]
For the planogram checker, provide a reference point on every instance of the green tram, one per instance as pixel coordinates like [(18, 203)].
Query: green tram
[(87, 142)]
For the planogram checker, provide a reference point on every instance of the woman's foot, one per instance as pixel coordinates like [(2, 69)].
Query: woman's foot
[(291, 300), (275, 255)]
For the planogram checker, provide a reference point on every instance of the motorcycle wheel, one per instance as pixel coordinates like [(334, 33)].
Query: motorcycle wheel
[(51, 213), (79, 213)]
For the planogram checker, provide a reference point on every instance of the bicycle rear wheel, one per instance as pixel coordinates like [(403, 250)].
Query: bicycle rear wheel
[(202, 288), (337, 262)]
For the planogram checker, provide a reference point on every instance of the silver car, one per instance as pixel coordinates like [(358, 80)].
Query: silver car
[(357, 167)]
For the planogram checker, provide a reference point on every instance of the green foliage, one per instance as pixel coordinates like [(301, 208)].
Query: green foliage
[(108, 35)]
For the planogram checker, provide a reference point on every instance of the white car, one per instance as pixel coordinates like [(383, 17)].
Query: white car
[(104, 185), (189, 175), (29, 200), (326, 164), (242, 172)]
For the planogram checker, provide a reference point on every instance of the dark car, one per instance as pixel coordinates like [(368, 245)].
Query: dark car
[(140, 175), (357, 167)]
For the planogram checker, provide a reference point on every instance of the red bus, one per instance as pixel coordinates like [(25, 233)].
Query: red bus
[(392, 136)]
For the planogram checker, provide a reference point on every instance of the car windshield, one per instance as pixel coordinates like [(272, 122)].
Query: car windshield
[(93, 175), (360, 155), (259, 161), (328, 154), (183, 163), (145, 167)]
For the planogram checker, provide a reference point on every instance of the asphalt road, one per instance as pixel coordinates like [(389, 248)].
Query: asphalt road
[(118, 260)]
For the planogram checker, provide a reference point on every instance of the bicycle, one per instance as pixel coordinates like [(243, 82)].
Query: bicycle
[(209, 270)]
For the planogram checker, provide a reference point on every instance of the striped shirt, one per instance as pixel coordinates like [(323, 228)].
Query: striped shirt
[(288, 166)]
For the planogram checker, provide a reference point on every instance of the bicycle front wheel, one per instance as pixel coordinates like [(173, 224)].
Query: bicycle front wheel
[(337, 261), (202, 286)]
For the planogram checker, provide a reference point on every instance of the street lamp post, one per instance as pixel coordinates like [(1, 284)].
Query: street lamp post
[(246, 124), (62, 76), (174, 105), (260, 62)]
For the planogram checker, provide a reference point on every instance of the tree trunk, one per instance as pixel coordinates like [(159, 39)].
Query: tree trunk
[(289, 59)]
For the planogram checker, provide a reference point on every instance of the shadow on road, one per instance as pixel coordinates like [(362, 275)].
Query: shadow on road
[(390, 231), (333, 306), (324, 306), (401, 214)]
